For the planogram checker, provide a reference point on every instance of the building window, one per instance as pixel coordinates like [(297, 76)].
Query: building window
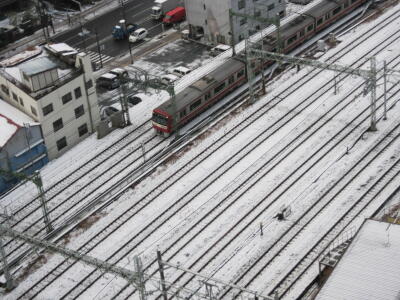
[(78, 92), (271, 6), (241, 4), (82, 129), (89, 84), (15, 97), (79, 111), (47, 109), (21, 101), (66, 98), (257, 13), (33, 110), (61, 143), (243, 21), (5, 89), (57, 125)]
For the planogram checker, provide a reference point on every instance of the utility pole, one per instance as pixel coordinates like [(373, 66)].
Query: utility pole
[(384, 91), (232, 32), (98, 48), (37, 180), (9, 280), (124, 104), (140, 278), (373, 94), (162, 276)]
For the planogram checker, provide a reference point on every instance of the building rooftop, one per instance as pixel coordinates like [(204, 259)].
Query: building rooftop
[(370, 268), (56, 56), (11, 119), (38, 65)]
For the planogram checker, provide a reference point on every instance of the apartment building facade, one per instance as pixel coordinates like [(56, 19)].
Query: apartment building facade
[(58, 93), (210, 19)]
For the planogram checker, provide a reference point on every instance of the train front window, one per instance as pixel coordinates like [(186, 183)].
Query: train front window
[(160, 119)]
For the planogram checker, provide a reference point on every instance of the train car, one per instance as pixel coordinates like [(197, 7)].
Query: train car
[(212, 87), (198, 97)]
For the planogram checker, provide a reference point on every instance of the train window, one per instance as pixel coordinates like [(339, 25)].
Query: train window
[(353, 1), (231, 79), (207, 96), (310, 27), (219, 88), (346, 4), (182, 113), (195, 104), (291, 39), (302, 33), (319, 21), (240, 73), (160, 119), (327, 16), (336, 10)]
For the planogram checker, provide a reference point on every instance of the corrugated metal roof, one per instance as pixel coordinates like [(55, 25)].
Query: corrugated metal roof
[(370, 268), (38, 65)]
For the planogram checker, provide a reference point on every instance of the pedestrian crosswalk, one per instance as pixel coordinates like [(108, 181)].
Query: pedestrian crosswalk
[(95, 57)]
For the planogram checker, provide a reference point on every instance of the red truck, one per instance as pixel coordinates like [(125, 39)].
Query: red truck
[(174, 16)]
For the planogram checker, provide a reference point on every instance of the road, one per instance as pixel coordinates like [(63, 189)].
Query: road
[(135, 11)]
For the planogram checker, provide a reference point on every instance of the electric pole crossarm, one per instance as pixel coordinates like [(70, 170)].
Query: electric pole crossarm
[(309, 62), (217, 281), (99, 264)]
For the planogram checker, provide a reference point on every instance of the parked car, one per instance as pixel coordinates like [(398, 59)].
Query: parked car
[(219, 49), (133, 99), (138, 35), (181, 71), (120, 72), (108, 81), (176, 15), (169, 79), (107, 111)]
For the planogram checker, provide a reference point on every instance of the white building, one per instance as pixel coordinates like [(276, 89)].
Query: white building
[(56, 88), (210, 18)]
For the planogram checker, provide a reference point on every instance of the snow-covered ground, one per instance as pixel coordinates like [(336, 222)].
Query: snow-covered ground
[(194, 222)]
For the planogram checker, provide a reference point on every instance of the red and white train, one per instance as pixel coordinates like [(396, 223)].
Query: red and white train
[(206, 91)]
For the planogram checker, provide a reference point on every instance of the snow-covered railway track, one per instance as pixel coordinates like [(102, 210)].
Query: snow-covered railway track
[(343, 187), (118, 223), (63, 206), (385, 184)]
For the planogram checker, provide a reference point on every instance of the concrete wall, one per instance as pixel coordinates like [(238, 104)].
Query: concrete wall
[(213, 17)]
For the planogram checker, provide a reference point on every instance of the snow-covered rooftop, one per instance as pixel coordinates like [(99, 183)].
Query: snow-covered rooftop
[(10, 120), (370, 268)]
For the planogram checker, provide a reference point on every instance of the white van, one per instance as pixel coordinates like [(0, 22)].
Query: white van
[(181, 71)]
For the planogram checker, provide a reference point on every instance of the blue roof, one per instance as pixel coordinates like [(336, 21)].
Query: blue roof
[(38, 65)]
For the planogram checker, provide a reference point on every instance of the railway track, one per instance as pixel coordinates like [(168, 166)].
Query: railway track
[(339, 188)]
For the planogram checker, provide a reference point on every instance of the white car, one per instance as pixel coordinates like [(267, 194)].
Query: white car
[(138, 35), (181, 71), (219, 49), (169, 79)]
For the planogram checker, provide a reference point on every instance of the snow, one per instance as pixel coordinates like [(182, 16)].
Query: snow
[(11, 119), (197, 222), (21, 57), (369, 267)]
